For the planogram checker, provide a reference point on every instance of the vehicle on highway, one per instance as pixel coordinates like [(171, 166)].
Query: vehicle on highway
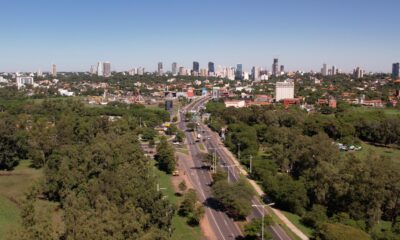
[(175, 173)]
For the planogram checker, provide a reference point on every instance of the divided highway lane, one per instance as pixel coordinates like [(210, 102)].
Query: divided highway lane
[(222, 226), (213, 144)]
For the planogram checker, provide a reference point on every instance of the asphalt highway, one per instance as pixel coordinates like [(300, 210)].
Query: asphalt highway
[(223, 226)]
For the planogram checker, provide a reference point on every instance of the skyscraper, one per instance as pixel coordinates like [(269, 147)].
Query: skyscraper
[(275, 67), (324, 70), (255, 73), (334, 70), (395, 70), (282, 70), (239, 72), (196, 67), (174, 68), (106, 69), (358, 73), (211, 68), (100, 69), (160, 68), (54, 70)]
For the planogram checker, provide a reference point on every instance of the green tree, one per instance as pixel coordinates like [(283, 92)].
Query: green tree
[(315, 217), (253, 229), (189, 203), (165, 156)]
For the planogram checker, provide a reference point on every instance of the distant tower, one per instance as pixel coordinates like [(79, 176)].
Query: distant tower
[(282, 69), (211, 68), (334, 70), (174, 68), (239, 72), (395, 70), (54, 70), (275, 67), (160, 68), (358, 73), (100, 69), (255, 73), (324, 70), (107, 69), (196, 67)]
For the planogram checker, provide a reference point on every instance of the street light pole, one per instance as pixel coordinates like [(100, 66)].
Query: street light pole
[(227, 167), (262, 220)]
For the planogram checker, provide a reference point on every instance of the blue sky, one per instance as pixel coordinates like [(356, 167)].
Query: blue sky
[(303, 34)]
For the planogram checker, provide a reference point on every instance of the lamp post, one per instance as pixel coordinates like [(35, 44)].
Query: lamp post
[(262, 220), (230, 166), (263, 216)]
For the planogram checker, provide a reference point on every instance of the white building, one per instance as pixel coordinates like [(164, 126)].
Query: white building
[(64, 92), (22, 81), (100, 69), (284, 90), (235, 103), (216, 93)]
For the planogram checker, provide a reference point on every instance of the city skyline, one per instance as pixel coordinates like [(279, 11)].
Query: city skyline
[(302, 34)]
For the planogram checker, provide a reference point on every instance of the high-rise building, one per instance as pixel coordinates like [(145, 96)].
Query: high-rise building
[(395, 70), (255, 73), (132, 72), (324, 70), (107, 69), (282, 69), (334, 70), (160, 70), (54, 70), (174, 68), (203, 72), (211, 69), (275, 67), (100, 69), (196, 67), (92, 70), (284, 90), (239, 72), (358, 73), (140, 71)]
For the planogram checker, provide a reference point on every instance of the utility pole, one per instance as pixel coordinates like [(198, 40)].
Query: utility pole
[(215, 161), (251, 164), (238, 151)]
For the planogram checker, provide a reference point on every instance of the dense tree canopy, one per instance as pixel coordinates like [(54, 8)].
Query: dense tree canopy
[(301, 169)]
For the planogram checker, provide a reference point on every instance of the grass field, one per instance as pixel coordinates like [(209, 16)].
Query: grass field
[(182, 231), (13, 185), (9, 216), (388, 111), (368, 150), (295, 219)]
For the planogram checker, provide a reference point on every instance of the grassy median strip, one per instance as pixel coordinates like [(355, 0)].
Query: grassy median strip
[(182, 231)]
